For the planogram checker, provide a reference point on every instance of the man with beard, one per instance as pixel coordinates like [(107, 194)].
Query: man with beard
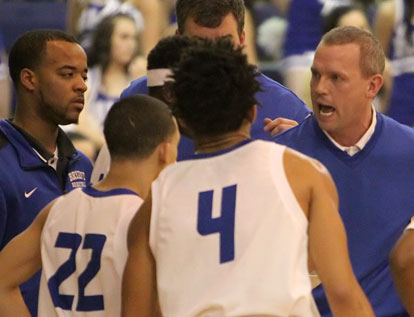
[(37, 161)]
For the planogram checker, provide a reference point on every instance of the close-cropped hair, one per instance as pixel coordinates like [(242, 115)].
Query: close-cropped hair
[(371, 59), (30, 48), (214, 87), (168, 51), (100, 51), (136, 125), (209, 13)]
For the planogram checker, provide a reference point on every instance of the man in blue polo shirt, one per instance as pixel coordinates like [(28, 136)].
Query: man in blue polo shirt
[(218, 18), (37, 160)]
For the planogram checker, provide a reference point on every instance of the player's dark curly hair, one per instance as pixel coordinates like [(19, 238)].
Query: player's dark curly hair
[(167, 53), (214, 88)]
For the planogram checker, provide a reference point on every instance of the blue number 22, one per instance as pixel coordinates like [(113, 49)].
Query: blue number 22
[(73, 241), (224, 224)]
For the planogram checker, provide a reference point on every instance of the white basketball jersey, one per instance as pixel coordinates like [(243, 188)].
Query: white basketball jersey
[(411, 224), (229, 237), (84, 251)]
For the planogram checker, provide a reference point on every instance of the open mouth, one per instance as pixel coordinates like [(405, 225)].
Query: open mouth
[(326, 110)]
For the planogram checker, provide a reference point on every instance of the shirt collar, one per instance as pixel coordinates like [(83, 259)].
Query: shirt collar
[(40, 150), (354, 149), (64, 146)]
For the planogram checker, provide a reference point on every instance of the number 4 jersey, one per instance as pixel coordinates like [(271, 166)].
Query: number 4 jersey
[(229, 237), (84, 250)]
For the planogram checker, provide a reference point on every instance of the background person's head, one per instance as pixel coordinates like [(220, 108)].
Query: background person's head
[(211, 19), (346, 15), (115, 40), (346, 76), (48, 69), (214, 89), (138, 126)]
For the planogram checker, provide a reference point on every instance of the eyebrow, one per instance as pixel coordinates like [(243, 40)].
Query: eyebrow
[(71, 68)]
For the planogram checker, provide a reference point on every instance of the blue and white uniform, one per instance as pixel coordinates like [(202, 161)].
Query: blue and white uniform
[(274, 101), (376, 200), (401, 105), (29, 182), (84, 251), (232, 242)]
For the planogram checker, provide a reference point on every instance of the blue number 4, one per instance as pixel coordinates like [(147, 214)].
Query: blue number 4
[(73, 241), (224, 224)]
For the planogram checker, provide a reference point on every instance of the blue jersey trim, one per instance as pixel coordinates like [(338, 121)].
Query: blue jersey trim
[(91, 191), (208, 155)]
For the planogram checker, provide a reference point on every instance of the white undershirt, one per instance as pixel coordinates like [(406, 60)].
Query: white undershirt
[(52, 161), (411, 225), (354, 149)]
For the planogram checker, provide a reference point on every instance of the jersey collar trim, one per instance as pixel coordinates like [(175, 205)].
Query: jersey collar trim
[(196, 156), (91, 191)]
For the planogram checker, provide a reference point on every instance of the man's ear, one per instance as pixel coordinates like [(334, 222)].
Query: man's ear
[(242, 38), (168, 93), (163, 150), (374, 86), (28, 79)]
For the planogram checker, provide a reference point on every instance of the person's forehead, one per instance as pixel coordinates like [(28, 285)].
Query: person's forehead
[(337, 51), (339, 59), (59, 51), (124, 23), (228, 26)]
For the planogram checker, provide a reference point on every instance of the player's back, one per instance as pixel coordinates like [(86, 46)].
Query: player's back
[(229, 237), (83, 247)]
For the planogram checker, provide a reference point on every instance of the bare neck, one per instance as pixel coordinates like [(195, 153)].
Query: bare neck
[(133, 175), (222, 142), (37, 126)]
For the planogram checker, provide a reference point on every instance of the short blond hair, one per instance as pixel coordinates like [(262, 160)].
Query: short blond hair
[(372, 58)]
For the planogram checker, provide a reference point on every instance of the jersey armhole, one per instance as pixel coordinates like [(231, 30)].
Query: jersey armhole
[(122, 228), (50, 217), (284, 188), (155, 210)]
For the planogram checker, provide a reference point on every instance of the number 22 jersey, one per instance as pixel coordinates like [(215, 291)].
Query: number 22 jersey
[(84, 251), (229, 237)]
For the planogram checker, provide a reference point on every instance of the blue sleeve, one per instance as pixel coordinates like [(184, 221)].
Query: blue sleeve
[(277, 101), (299, 110), (138, 86)]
